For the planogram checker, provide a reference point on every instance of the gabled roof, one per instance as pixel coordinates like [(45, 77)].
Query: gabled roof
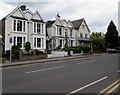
[(77, 23), (37, 13), (50, 23), (17, 8)]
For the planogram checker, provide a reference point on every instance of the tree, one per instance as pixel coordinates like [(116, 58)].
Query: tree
[(98, 41), (27, 46), (111, 36)]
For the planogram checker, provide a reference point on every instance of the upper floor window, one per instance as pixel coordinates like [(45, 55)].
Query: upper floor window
[(83, 26), (71, 34), (86, 35), (81, 35), (34, 27), (38, 28), (42, 28), (24, 26), (19, 25), (14, 27), (60, 31)]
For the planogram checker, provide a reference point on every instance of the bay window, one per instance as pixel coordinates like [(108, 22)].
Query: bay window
[(38, 28), (19, 25), (19, 41), (38, 42)]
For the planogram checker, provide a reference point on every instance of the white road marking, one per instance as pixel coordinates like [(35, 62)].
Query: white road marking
[(45, 69), (87, 61), (76, 59), (87, 85), (105, 58), (118, 71), (91, 57), (83, 58)]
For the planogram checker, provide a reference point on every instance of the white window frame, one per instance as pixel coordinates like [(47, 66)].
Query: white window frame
[(15, 25)]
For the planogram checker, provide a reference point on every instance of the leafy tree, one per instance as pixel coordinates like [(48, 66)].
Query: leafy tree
[(27, 46), (111, 36), (98, 41)]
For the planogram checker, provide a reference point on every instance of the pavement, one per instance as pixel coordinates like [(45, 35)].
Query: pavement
[(8, 64), (91, 74)]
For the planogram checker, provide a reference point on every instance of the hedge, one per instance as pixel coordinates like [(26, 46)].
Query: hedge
[(85, 49), (76, 49)]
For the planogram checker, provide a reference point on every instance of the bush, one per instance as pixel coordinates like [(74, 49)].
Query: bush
[(27, 46), (39, 52), (15, 52), (117, 48), (85, 49), (58, 48), (49, 51), (7, 55), (76, 49)]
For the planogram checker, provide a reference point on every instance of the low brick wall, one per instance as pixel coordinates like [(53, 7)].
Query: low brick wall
[(57, 54), (31, 57)]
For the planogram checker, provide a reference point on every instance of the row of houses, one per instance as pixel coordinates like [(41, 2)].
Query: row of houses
[(23, 25)]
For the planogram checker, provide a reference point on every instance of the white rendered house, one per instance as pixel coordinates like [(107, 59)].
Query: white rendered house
[(60, 32), (22, 25), (82, 32)]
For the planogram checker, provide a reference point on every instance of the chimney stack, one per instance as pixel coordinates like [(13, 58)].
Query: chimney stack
[(23, 7)]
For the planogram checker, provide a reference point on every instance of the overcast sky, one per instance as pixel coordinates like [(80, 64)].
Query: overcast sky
[(97, 13)]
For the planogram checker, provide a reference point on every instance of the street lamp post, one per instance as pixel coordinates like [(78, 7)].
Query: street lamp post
[(11, 48)]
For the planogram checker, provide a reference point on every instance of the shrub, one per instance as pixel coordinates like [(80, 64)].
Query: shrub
[(117, 48), (58, 48), (15, 52), (75, 49), (39, 52), (49, 51), (27, 46), (85, 49), (7, 55)]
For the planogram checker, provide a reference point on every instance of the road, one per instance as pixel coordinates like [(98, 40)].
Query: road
[(91, 74)]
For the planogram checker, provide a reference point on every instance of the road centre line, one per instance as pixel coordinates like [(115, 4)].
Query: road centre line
[(45, 69), (90, 84), (87, 61)]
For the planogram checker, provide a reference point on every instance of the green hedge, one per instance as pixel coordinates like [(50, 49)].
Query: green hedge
[(85, 49), (49, 51), (76, 49), (118, 48), (39, 52), (15, 52)]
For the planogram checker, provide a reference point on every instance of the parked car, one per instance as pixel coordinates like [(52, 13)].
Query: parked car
[(112, 51)]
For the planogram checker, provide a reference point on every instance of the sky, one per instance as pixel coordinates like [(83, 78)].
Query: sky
[(97, 13)]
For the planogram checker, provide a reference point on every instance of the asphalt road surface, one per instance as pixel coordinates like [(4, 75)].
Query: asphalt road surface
[(91, 74)]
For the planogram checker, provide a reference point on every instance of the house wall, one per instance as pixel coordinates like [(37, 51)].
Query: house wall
[(28, 34), (8, 30), (83, 31)]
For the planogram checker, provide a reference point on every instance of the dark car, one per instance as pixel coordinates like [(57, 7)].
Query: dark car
[(112, 51)]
